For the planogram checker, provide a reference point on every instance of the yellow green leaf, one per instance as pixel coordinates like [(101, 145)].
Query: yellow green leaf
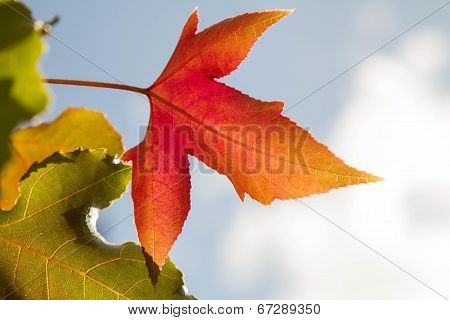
[(76, 127), (22, 94), (49, 248)]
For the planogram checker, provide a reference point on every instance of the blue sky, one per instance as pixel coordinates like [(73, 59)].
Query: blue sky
[(131, 43)]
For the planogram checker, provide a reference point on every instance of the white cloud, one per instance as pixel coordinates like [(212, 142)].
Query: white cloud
[(396, 125)]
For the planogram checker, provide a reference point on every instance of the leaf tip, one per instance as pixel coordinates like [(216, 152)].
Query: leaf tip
[(373, 179), (284, 12)]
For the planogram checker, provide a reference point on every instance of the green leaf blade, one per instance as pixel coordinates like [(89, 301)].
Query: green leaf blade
[(74, 128), (22, 94), (48, 249)]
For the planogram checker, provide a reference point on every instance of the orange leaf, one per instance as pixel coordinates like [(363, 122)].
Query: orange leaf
[(263, 153)]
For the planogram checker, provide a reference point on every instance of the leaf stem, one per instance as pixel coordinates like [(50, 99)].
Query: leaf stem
[(97, 85)]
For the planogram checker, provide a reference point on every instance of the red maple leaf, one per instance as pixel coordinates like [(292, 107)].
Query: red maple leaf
[(263, 153)]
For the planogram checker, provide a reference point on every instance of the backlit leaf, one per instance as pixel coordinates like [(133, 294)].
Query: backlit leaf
[(22, 94), (48, 245), (263, 153), (74, 128)]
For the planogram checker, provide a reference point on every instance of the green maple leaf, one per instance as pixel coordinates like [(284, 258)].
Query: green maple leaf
[(49, 250)]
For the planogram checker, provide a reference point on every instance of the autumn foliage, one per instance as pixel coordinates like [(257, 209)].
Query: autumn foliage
[(263, 153), (55, 177)]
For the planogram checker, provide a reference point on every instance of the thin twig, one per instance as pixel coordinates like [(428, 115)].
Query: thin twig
[(97, 85)]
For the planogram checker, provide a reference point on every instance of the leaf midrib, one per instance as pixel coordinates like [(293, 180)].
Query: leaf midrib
[(61, 263), (242, 144)]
